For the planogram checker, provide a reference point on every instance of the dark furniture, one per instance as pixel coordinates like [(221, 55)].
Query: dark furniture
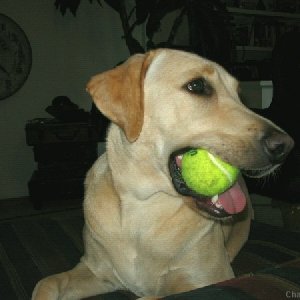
[(64, 151), (283, 111)]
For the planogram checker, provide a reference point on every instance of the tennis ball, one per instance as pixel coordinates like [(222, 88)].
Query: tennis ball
[(207, 174)]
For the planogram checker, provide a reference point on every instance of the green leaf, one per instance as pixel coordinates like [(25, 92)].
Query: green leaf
[(134, 46), (143, 8), (114, 4), (64, 5), (161, 9), (98, 1)]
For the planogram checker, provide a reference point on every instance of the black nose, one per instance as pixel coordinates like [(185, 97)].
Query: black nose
[(277, 145)]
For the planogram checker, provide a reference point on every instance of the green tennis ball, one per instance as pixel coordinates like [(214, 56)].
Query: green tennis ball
[(207, 174)]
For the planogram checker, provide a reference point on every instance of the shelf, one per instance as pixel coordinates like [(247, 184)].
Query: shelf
[(255, 12), (253, 48)]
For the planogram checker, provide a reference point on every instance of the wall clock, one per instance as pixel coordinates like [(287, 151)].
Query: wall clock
[(15, 57)]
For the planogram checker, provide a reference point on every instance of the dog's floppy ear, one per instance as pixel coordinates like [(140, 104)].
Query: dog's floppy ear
[(119, 94)]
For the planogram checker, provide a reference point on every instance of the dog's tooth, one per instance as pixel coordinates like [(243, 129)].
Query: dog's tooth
[(214, 199), (178, 160)]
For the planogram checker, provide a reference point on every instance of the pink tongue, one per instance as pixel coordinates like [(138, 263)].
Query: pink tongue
[(233, 200)]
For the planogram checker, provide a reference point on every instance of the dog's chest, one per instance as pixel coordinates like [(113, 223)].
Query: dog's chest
[(148, 264)]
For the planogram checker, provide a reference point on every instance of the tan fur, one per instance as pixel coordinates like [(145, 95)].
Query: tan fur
[(119, 90), (140, 234)]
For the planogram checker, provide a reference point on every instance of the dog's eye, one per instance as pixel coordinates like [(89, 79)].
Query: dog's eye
[(199, 86)]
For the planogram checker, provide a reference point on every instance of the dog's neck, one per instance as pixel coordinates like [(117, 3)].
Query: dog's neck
[(125, 158)]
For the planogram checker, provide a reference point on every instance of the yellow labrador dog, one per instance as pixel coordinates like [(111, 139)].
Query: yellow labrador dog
[(144, 230)]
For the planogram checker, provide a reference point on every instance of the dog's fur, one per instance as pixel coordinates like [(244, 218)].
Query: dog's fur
[(140, 234)]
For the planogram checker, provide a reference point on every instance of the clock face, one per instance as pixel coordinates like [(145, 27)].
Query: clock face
[(15, 57)]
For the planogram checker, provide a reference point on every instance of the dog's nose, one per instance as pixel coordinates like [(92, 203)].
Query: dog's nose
[(277, 145)]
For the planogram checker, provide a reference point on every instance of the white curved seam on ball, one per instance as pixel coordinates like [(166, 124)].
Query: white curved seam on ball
[(217, 164)]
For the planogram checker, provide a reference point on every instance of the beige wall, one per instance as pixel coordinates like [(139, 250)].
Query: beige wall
[(66, 52)]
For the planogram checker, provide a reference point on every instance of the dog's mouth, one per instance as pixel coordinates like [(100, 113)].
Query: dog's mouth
[(231, 202)]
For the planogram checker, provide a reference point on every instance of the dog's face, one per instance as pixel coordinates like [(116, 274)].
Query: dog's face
[(174, 100)]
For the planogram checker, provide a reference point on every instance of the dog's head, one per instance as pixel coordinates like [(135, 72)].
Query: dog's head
[(173, 100)]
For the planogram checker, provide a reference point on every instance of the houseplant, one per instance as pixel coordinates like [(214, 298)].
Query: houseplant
[(208, 24)]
